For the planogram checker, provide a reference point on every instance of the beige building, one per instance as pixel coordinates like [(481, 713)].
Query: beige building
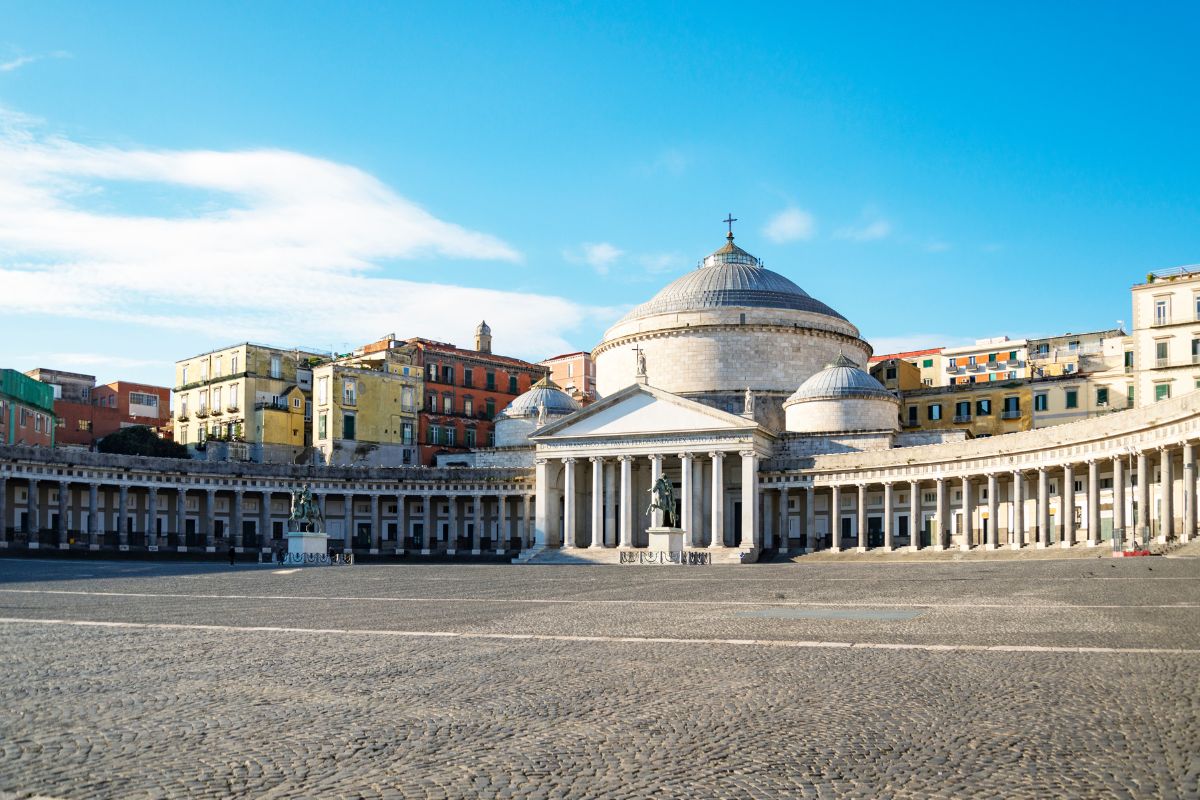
[(897, 374), (575, 373), (365, 409), (981, 409), (242, 396), (1166, 334)]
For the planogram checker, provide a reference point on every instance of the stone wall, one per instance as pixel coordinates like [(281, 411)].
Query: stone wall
[(843, 414), (773, 350)]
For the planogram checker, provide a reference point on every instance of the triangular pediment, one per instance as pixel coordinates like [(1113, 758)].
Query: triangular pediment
[(643, 410)]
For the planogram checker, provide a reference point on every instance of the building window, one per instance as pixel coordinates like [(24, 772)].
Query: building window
[(216, 398), (491, 381), (348, 425), (1129, 396), (927, 363), (37, 423), (233, 364), (276, 366), (470, 440), (491, 408), (448, 375), (431, 372), (296, 402), (183, 405), (447, 404), (970, 361), (468, 376), (1162, 391), (468, 406), (406, 433), (1072, 346), (1162, 311), (983, 408), (1072, 398), (407, 398), (912, 415), (233, 396), (1129, 361), (431, 437), (935, 411), (143, 399), (1039, 401), (322, 429), (491, 439), (962, 411), (322, 390), (349, 393), (1196, 351), (449, 435), (891, 373), (217, 367), (1102, 396), (183, 379), (204, 370), (512, 384), (1160, 353)]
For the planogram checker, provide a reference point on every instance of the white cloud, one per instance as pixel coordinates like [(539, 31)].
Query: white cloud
[(600, 256), (790, 225), (867, 232), (937, 246), (289, 250), (21, 61), (659, 262)]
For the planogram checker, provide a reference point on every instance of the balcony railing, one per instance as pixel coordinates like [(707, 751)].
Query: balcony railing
[(270, 406), (216, 411), (976, 367), (232, 409), (962, 417), (202, 413), (1010, 413), (911, 423), (952, 368), (1159, 363)]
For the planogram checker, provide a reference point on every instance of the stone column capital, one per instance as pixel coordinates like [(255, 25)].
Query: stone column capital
[(569, 461), (596, 459), (717, 455), (747, 453), (685, 456), (625, 458), (656, 457), (541, 462)]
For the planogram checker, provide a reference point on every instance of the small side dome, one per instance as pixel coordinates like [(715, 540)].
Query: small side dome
[(841, 398), (543, 394), (543, 403)]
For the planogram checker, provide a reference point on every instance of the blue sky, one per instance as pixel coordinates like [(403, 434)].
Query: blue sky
[(177, 177)]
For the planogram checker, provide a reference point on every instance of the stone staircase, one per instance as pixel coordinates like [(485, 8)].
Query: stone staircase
[(611, 555)]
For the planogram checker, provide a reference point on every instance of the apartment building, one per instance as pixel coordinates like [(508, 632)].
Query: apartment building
[(1166, 334), (986, 361), (243, 395), (26, 410), (366, 409), (575, 374), (981, 409)]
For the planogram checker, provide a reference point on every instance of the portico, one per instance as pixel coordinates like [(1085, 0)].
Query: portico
[(711, 457)]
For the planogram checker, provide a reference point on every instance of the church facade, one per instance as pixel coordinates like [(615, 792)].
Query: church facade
[(735, 385)]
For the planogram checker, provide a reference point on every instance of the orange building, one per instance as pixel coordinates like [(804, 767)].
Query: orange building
[(87, 412), (576, 374)]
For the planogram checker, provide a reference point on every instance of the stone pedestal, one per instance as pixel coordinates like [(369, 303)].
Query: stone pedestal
[(665, 540), (307, 546)]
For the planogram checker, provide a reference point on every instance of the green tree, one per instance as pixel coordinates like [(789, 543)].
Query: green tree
[(138, 440)]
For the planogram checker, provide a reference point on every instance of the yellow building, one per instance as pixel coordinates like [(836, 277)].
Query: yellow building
[(981, 409), (254, 397), (896, 374), (1166, 334), (366, 407)]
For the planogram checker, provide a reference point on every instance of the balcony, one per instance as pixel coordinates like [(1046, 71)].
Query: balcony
[(182, 416), (216, 412), (976, 367), (1010, 413), (202, 413), (1013, 363), (911, 423), (232, 409), (960, 418), (1159, 363), (951, 368), (995, 365), (270, 406)]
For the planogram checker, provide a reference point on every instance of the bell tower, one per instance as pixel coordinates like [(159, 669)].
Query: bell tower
[(483, 337)]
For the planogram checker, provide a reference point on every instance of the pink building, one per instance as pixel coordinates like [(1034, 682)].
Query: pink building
[(575, 373)]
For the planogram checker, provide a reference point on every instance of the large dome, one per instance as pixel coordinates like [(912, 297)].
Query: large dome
[(727, 326), (730, 277)]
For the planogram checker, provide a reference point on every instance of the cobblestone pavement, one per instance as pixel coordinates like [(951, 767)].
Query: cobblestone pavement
[(458, 681)]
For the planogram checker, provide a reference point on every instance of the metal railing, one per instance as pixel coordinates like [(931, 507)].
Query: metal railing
[(1010, 413), (962, 417)]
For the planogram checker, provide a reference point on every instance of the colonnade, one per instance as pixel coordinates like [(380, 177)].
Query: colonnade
[(62, 513), (1149, 495)]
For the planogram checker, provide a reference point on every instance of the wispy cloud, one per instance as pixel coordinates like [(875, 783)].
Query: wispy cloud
[(21, 61), (790, 225), (937, 246), (660, 262), (866, 232), (291, 249), (600, 256)]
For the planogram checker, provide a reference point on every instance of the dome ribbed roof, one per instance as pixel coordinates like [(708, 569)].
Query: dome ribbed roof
[(543, 394), (730, 277), (839, 380)]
